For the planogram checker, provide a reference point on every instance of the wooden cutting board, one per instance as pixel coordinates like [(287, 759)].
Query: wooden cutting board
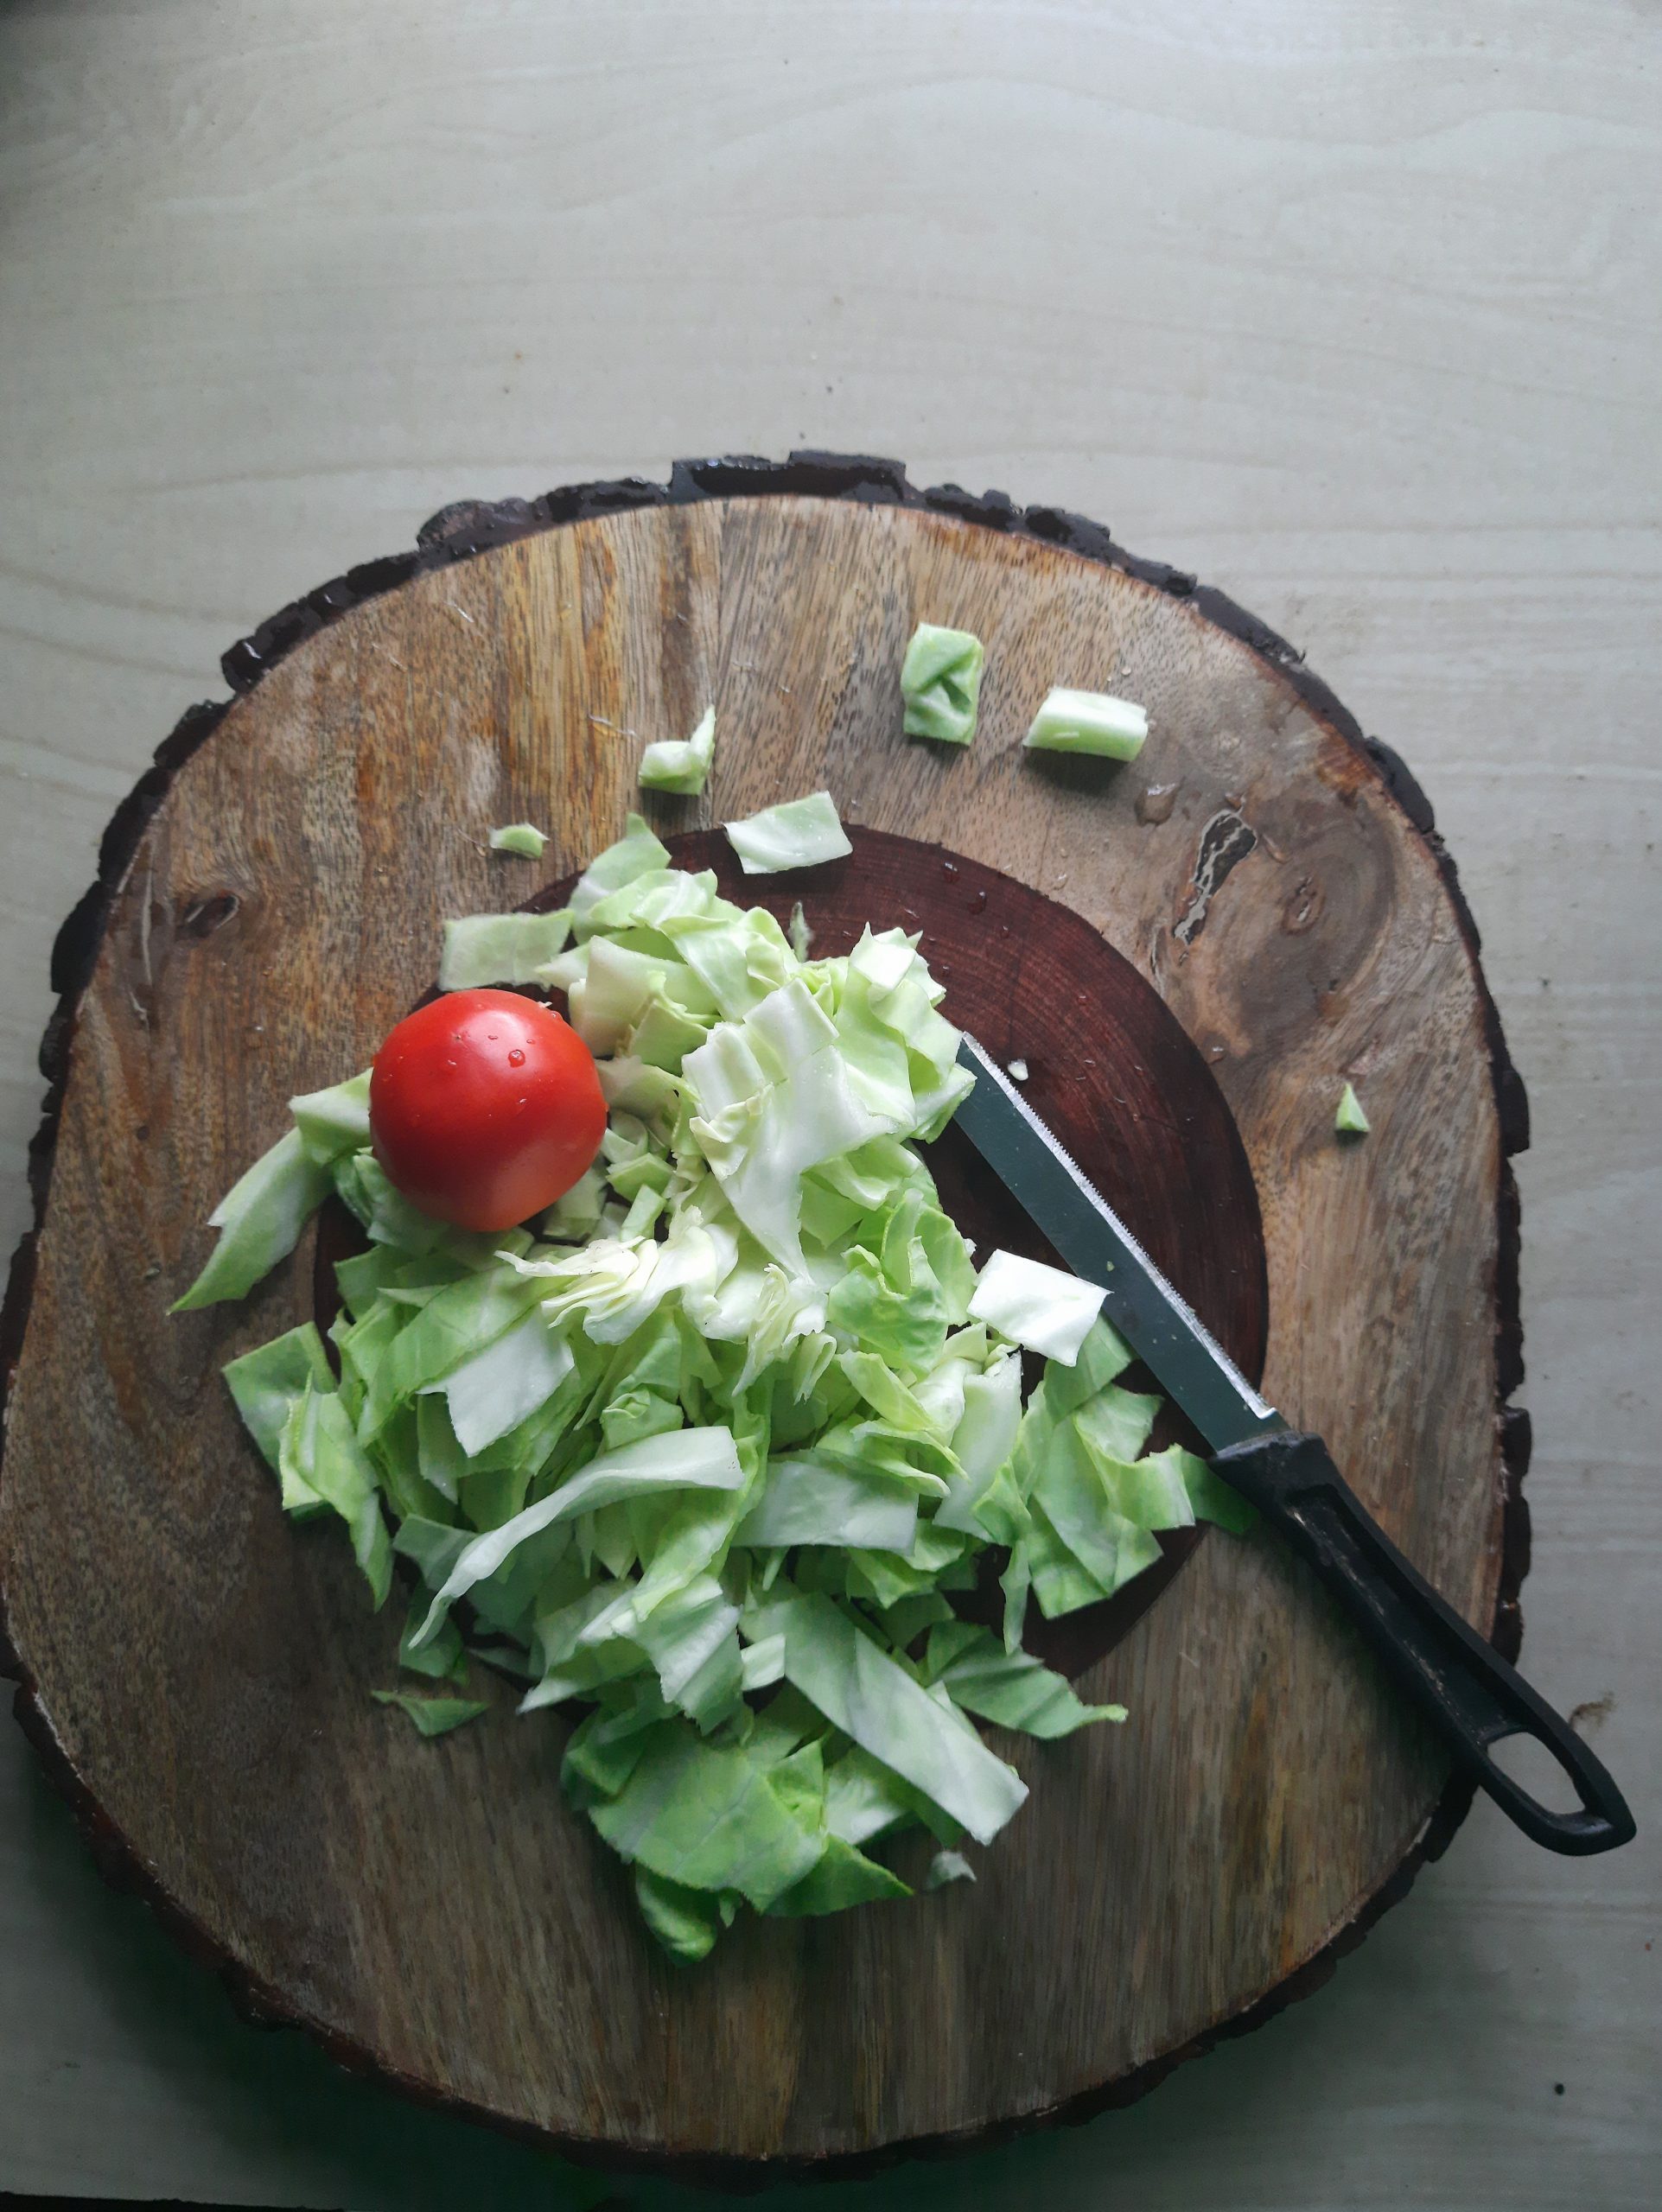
[(195, 1671)]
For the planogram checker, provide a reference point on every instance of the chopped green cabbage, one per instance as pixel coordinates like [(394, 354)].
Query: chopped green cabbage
[(709, 1453), (500, 949), (442, 1658), (637, 853), (260, 1220), (844, 1673), (1350, 1121), (433, 1716), (334, 1121), (492, 1393), (522, 837), (1011, 1687), (707, 1818), (941, 683), (799, 834), (680, 764), (1036, 1306), (1089, 721), (266, 1382)]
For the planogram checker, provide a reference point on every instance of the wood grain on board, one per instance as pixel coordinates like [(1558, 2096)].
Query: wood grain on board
[(201, 1665)]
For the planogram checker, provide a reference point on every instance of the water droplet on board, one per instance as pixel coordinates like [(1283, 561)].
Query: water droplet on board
[(1155, 804)]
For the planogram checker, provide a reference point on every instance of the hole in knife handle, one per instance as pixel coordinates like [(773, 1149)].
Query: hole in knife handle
[(1522, 1758)]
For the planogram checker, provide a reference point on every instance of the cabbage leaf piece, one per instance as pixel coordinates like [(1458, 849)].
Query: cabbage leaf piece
[(266, 1383), (481, 949), (1042, 1307), (433, 1716), (260, 1220), (874, 1700), (707, 1818), (1350, 1121), (1011, 1687), (690, 1459), (636, 853), (335, 1121), (941, 683), (800, 832), (680, 764), (490, 1394), (1089, 721)]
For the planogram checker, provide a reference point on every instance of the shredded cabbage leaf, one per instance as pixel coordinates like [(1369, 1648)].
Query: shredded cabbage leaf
[(947, 1867), (801, 833), (522, 837), (941, 683), (1036, 1306), (433, 1716), (1350, 1121), (708, 1454), (482, 949), (260, 1220), (1089, 721), (680, 764)]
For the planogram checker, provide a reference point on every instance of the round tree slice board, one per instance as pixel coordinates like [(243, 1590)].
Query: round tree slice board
[(196, 1670)]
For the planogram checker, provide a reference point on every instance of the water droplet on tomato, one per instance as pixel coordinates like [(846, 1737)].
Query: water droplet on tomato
[(515, 1057)]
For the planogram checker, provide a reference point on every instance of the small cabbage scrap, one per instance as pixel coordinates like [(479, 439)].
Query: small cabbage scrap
[(433, 1716), (1036, 1306), (881, 1706), (680, 764), (947, 1867), (335, 1121), (260, 1220), (799, 834), (1089, 721), (1350, 1121), (522, 837), (941, 683), (709, 1453), (500, 949)]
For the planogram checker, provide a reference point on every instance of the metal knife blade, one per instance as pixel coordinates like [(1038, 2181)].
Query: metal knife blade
[(1161, 1327)]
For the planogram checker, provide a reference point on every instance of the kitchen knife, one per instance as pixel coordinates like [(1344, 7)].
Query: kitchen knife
[(1468, 1692)]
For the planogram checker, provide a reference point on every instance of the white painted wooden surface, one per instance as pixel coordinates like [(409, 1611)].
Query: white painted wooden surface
[(1352, 307)]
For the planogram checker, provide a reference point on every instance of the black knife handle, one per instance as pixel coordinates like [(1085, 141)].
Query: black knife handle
[(1468, 1690)]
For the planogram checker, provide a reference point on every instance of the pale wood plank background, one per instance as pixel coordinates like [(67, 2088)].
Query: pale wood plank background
[(1352, 308)]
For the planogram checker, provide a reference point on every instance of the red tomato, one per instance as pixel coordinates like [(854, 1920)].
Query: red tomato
[(485, 1107)]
